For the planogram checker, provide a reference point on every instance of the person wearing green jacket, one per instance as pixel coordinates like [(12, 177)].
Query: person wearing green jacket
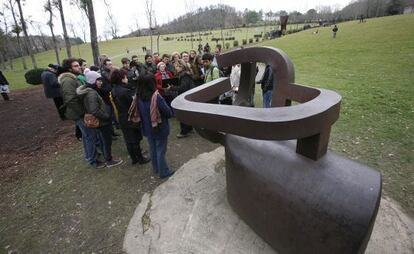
[(73, 108), (83, 69), (212, 72)]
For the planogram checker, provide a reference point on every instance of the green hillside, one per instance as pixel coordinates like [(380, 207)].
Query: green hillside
[(372, 66)]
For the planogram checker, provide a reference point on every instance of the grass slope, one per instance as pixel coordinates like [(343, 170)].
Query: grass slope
[(371, 65)]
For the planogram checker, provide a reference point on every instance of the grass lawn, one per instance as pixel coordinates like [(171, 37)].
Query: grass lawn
[(371, 65)]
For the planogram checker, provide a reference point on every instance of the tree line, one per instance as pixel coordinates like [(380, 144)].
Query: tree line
[(223, 16), (15, 41)]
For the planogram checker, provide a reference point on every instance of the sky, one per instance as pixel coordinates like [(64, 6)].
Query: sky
[(129, 12)]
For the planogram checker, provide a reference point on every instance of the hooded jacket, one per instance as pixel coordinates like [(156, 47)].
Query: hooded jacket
[(50, 84), (74, 106), (94, 104)]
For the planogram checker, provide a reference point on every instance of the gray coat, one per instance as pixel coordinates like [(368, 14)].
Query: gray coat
[(94, 104)]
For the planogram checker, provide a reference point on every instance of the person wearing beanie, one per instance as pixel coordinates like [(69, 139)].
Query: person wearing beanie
[(161, 74), (91, 77), (95, 105)]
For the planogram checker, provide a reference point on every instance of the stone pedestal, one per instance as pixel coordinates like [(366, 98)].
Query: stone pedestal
[(190, 213)]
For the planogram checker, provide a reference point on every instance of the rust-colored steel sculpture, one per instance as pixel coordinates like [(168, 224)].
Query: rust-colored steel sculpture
[(301, 202)]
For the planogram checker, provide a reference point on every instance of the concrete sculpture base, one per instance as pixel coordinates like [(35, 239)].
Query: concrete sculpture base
[(190, 214)]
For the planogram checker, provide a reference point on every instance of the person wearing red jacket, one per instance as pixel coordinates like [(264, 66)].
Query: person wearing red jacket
[(161, 74)]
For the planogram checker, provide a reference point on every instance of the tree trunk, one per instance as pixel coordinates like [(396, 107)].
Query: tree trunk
[(34, 44), (92, 27), (19, 44), (55, 47), (43, 41), (158, 43), (28, 44), (8, 58), (65, 33), (192, 43), (10, 61), (151, 38), (2, 62)]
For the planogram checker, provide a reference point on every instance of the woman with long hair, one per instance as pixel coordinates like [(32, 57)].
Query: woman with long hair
[(123, 97), (185, 83), (154, 114)]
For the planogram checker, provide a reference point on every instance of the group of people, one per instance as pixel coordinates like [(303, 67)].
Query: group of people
[(136, 98)]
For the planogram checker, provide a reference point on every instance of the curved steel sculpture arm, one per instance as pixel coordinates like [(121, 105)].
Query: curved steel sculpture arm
[(309, 122)]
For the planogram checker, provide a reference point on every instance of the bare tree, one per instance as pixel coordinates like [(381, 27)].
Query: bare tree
[(87, 6), (59, 6), (6, 31), (3, 48), (222, 16), (150, 15), (42, 37), (28, 44), (111, 20), (72, 29), (190, 6), (17, 30), (49, 8), (137, 24)]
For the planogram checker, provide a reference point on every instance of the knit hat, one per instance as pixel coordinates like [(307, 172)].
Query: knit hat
[(92, 76), (159, 64), (54, 66)]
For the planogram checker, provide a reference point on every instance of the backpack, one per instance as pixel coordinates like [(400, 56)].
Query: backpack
[(221, 73)]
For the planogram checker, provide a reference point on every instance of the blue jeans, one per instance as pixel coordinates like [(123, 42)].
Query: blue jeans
[(158, 149), (89, 141), (267, 99), (105, 141)]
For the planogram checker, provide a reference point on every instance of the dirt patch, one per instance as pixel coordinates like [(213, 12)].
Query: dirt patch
[(52, 201), (30, 130)]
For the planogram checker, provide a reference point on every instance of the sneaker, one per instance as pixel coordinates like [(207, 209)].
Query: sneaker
[(113, 163), (179, 135), (167, 175), (98, 164)]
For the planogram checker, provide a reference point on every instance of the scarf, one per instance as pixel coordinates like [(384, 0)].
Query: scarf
[(154, 112)]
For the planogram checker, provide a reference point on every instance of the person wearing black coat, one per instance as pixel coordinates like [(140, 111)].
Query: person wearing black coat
[(51, 86), (123, 97), (4, 87), (267, 86), (185, 83)]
